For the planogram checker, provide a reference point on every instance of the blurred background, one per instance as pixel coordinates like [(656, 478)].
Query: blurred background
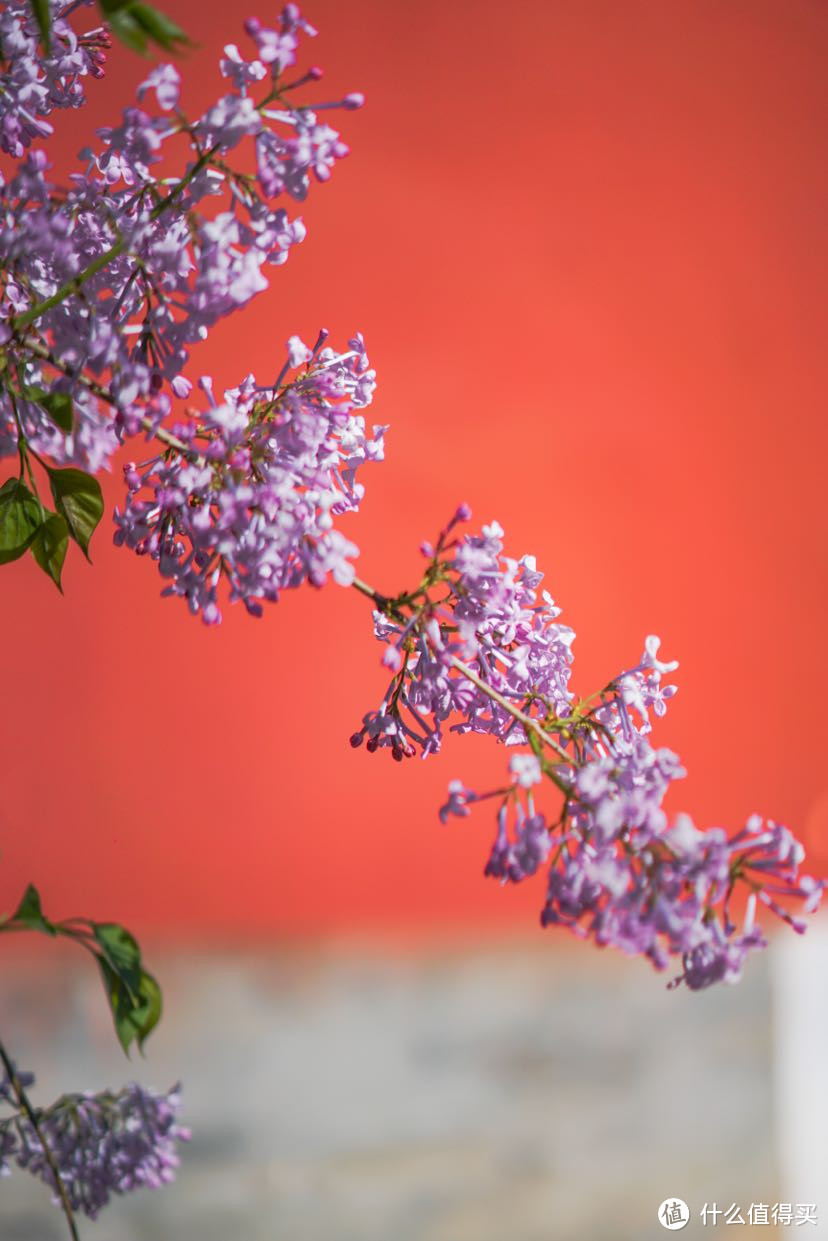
[(586, 245)]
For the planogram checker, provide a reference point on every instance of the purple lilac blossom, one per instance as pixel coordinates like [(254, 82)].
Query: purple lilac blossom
[(102, 1144), (34, 84), (253, 501), (617, 872), (120, 344), (493, 617)]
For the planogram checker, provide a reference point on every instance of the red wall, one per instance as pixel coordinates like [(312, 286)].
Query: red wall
[(587, 247)]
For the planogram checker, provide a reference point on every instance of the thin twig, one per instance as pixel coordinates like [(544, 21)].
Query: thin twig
[(31, 1115), (530, 724), (98, 390), (75, 284)]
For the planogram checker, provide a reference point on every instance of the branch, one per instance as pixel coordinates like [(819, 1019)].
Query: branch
[(103, 394), (528, 722), (31, 1115), (114, 251)]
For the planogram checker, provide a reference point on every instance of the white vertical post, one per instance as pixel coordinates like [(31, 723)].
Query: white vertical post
[(799, 979)]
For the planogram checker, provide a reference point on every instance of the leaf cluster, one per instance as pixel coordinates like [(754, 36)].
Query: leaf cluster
[(25, 522), (27, 525), (133, 994)]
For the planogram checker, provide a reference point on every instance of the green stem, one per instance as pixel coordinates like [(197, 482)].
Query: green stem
[(31, 1115), (21, 438), (368, 591), (528, 722), (75, 284), (71, 286)]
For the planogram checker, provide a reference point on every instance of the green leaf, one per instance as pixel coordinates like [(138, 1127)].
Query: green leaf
[(121, 951), (133, 994), (125, 28), (79, 500), (136, 24), (30, 913), (160, 28), (152, 1005), (49, 547), (58, 406), (21, 515), (135, 1012), (43, 17)]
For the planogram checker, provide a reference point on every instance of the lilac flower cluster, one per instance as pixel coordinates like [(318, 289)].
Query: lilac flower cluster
[(101, 1144), (478, 643), (107, 283), (251, 494), (34, 84), (475, 603)]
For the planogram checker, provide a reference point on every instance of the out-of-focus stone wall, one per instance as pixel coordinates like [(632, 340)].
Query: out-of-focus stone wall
[(507, 1093)]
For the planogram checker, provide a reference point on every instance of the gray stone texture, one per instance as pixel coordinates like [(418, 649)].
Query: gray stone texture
[(509, 1092)]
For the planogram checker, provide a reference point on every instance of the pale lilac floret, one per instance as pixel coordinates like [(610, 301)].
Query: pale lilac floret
[(526, 769), (165, 81), (102, 1144)]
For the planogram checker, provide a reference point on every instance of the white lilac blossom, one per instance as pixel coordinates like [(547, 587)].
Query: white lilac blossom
[(250, 498), (101, 1144), (108, 282), (477, 643)]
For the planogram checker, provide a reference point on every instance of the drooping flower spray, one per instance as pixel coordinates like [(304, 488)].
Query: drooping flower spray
[(106, 285)]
